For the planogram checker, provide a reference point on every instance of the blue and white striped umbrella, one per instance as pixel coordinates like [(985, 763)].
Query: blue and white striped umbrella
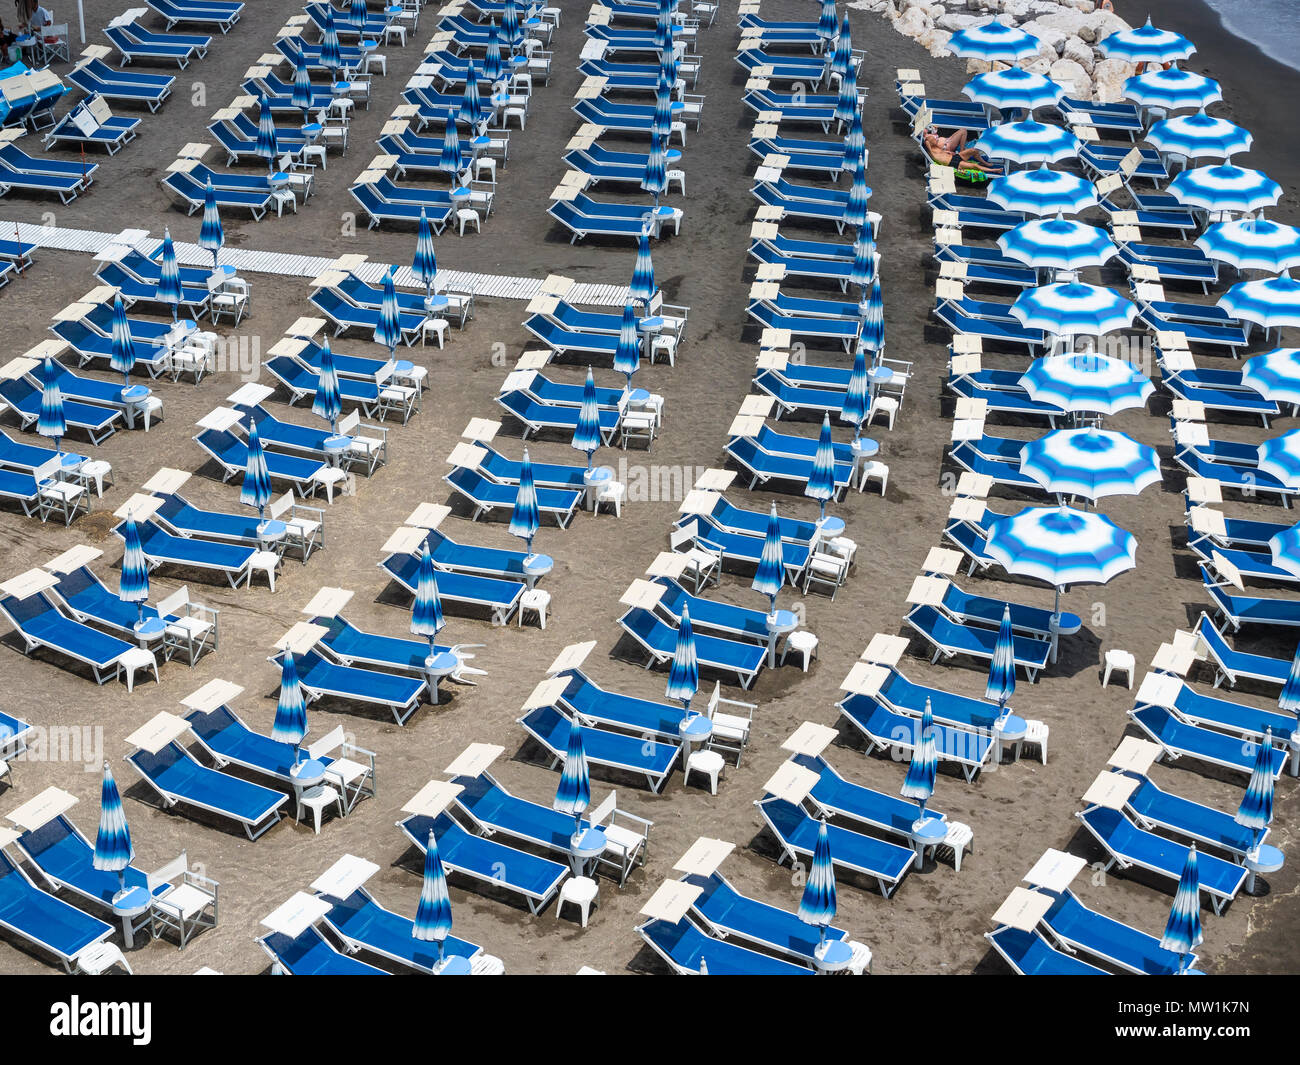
[(302, 90), (924, 766), (1002, 669), (211, 236), (655, 179), (1057, 244), (661, 121), (573, 793), (817, 903), (510, 31), (821, 481), (684, 674), (1199, 136), (425, 263), (169, 275), (828, 21), (1029, 142), (842, 55), (586, 433), (388, 330), (50, 421), (266, 146), (668, 67), (432, 922), (492, 57), (255, 491), (1042, 192), (1256, 809), (1289, 699), (627, 356), (471, 102), (1271, 302), (993, 42), (1274, 375), (113, 850), (290, 724), (452, 161), (846, 101), (855, 141), (426, 612), (1061, 546), (871, 333), (524, 518), (643, 272), (1172, 89), (1285, 549), (1183, 929), (770, 574), (1146, 44), (863, 271), (1225, 188), (327, 403), (1090, 462), (123, 358), (855, 211), (133, 583), (330, 58), (857, 397), (1012, 90), (1279, 457), (357, 15), (1087, 382), (1073, 309), (1252, 244)]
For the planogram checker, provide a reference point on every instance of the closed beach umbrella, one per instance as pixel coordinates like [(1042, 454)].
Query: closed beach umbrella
[(510, 32), (1041, 191), (1271, 303), (1199, 136), (451, 162), (1090, 462), (388, 330), (50, 422), (357, 15), (123, 359), (471, 103), (1255, 811), (327, 403), (627, 356), (1289, 700), (827, 21), (846, 101), (290, 724), (1073, 309), (863, 271), (770, 574), (684, 674), (655, 180), (855, 141), (668, 67), (1274, 375), (492, 57), (1057, 244), (1279, 457), (573, 793), (1146, 44), (1012, 90), (842, 55), (993, 42), (302, 91), (266, 146), (661, 121), (133, 584), (426, 612), (871, 335), (855, 211), (432, 922), (1029, 142), (821, 482), (1086, 382), (586, 433), (524, 518), (1183, 929), (1252, 244), (425, 264), (211, 235), (330, 58), (1225, 188), (924, 766), (643, 272), (1172, 89), (169, 275), (113, 850), (857, 397), (817, 904), (1002, 669), (255, 491)]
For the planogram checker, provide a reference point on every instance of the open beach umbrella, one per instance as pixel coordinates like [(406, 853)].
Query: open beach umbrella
[(684, 674), (169, 275), (1073, 309), (1289, 699), (1146, 44), (1256, 809), (846, 100), (133, 583), (1029, 142), (211, 236), (510, 31), (871, 334), (433, 912), (113, 850), (290, 724), (1057, 244), (255, 490), (1090, 462), (924, 766), (821, 481), (426, 612), (1183, 929), (586, 433), (452, 161), (1270, 303), (1087, 383), (1285, 549), (1279, 457), (817, 904), (993, 42), (1012, 90), (524, 518), (842, 54), (1001, 685), (855, 210), (627, 356), (492, 57), (388, 330), (655, 179), (1199, 136), (1041, 191), (863, 271), (425, 263), (573, 793), (327, 403), (123, 358), (357, 14), (302, 90), (643, 272), (1275, 375), (770, 574), (827, 21), (51, 422), (266, 146), (1225, 188), (1172, 89), (857, 397), (471, 102), (330, 58), (1252, 244)]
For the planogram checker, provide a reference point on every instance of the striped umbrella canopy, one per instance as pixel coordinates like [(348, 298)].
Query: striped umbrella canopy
[(846, 102), (627, 356), (510, 31), (330, 58), (1252, 244), (1012, 89), (471, 103), (328, 403), (123, 359), (1225, 188), (1272, 302), (524, 518), (643, 272), (113, 850), (255, 491), (863, 271), (1274, 375), (1199, 136), (573, 793), (290, 724), (668, 67), (855, 141), (1256, 809), (586, 433), (1146, 44), (1087, 382), (871, 334), (993, 42), (492, 57), (1057, 244), (1029, 142), (661, 121), (266, 146), (133, 583), (452, 161), (770, 574), (857, 397), (51, 421), (426, 612), (842, 55), (828, 21), (211, 235), (1285, 549), (432, 922), (655, 179), (855, 211), (388, 330), (684, 674), (425, 263), (1073, 309), (663, 28), (1172, 89), (1279, 456), (817, 904), (924, 766), (821, 482), (1002, 669), (1090, 462), (302, 91), (1289, 700), (1042, 191), (357, 15), (169, 275), (1183, 929)]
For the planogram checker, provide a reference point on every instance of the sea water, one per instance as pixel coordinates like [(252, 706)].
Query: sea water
[(1273, 26)]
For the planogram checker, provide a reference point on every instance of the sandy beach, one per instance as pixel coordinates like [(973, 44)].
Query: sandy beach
[(936, 920)]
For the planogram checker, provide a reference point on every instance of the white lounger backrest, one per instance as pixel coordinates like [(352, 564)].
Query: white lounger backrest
[(684, 535), (282, 505), (349, 423), (178, 866), (330, 741), (175, 602), (606, 809)]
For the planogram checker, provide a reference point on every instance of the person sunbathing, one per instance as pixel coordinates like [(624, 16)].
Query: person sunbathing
[(952, 151)]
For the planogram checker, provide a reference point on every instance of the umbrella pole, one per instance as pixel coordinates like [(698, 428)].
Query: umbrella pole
[(1055, 623)]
